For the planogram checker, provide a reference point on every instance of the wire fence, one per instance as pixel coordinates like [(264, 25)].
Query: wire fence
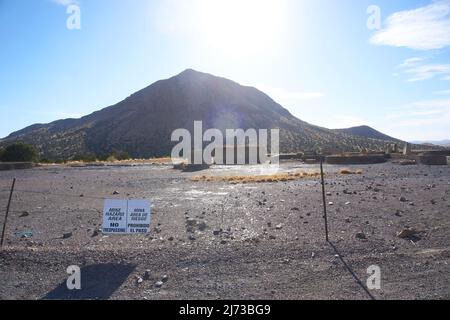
[(79, 219)]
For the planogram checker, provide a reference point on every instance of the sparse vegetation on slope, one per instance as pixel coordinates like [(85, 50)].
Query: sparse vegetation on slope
[(143, 123)]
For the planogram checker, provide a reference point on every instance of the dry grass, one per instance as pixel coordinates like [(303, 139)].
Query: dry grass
[(281, 177), (348, 171), (129, 161)]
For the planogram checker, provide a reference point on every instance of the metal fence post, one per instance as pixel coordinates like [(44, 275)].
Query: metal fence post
[(324, 199), (7, 211)]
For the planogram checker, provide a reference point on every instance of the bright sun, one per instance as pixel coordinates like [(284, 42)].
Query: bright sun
[(240, 27)]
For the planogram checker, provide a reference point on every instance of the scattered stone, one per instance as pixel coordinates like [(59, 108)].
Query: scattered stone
[(191, 222), (403, 199), (361, 236), (279, 226), (202, 226), (330, 203), (347, 203), (398, 213), (407, 233), (165, 278), (159, 284), (217, 232), (170, 238), (139, 280), (67, 235), (115, 193), (24, 214), (295, 209), (147, 275), (347, 220)]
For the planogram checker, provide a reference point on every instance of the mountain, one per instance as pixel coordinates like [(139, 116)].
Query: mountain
[(367, 132), (142, 124), (443, 143)]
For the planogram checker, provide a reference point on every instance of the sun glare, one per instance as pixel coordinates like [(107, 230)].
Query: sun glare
[(240, 27)]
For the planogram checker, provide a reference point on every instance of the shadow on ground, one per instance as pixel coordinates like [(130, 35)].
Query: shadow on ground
[(98, 281), (350, 270)]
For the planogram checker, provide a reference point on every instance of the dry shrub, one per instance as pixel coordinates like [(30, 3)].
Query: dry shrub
[(281, 177), (348, 171)]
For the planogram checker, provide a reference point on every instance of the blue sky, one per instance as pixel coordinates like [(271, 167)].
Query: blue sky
[(317, 58)]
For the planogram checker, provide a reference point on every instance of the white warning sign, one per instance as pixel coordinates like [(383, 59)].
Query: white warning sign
[(126, 216)]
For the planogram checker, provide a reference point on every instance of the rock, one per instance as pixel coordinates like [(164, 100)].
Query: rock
[(147, 275), (191, 237), (330, 203), (398, 213), (328, 193), (170, 238), (403, 199), (67, 235), (407, 233), (24, 214), (139, 280), (223, 242), (159, 284), (279, 226), (217, 232), (347, 220), (115, 193), (96, 233), (191, 222), (165, 278), (295, 209), (361, 236), (347, 203), (202, 226)]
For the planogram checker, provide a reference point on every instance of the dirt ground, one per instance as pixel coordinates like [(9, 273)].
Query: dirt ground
[(217, 240)]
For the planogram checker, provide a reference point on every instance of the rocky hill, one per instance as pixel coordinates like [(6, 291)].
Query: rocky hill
[(142, 124)]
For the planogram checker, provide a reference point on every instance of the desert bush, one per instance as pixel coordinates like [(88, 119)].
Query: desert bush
[(121, 155), (85, 157), (19, 152), (348, 171), (281, 177)]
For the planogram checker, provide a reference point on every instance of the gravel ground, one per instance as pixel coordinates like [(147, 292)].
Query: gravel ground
[(216, 240)]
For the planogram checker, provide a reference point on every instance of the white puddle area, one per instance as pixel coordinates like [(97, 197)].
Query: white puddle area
[(195, 192)]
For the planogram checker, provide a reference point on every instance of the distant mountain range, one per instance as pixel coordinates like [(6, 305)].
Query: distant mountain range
[(142, 124), (443, 143), (368, 132)]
